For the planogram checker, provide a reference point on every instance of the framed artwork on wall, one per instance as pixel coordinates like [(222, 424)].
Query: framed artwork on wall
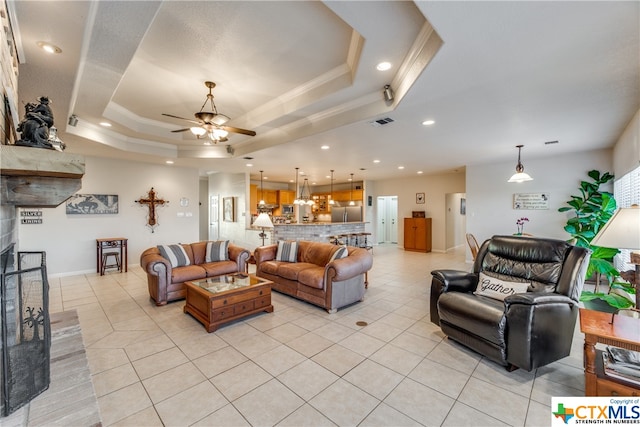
[(90, 204), (420, 198), (228, 209), (463, 206)]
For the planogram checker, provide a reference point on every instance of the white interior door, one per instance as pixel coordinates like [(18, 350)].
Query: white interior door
[(213, 218), (387, 227), (393, 215)]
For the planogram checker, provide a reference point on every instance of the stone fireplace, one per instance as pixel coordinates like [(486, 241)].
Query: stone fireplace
[(29, 178)]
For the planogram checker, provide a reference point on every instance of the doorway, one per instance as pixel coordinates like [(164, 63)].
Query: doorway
[(213, 218), (387, 227), (455, 220)]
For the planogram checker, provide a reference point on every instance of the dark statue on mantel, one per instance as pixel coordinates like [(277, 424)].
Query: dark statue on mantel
[(36, 128)]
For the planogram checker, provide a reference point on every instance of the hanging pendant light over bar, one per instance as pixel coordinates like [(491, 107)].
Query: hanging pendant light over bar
[(261, 202), (297, 200), (351, 202), (520, 175), (305, 193), (331, 202)]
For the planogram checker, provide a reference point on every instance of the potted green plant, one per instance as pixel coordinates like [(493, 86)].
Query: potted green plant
[(593, 208)]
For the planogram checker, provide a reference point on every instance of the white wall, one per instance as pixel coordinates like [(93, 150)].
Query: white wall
[(203, 209), (435, 188), (70, 240), (626, 153), (235, 185), (490, 197)]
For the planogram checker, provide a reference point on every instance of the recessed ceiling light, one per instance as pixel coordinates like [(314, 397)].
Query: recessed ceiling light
[(325, 147), (48, 47), (376, 161), (249, 165), (328, 176), (428, 122), (383, 66), (420, 172), (400, 167), (169, 162), (105, 124)]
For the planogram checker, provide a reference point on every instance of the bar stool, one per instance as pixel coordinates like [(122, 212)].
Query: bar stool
[(365, 243), (105, 260)]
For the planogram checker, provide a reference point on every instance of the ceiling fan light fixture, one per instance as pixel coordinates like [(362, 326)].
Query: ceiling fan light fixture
[(219, 133), (197, 130)]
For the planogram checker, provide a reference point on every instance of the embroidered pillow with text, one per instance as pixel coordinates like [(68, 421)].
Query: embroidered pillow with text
[(499, 289)]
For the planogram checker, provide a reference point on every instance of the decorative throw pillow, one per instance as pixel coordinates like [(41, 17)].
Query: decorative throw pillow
[(499, 289), (217, 251), (176, 255), (340, 253), (287, 251)]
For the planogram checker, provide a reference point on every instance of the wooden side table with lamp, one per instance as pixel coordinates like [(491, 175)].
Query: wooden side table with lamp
[(621, 329)]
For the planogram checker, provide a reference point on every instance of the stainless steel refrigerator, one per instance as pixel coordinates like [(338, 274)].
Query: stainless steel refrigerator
[(346, 214)]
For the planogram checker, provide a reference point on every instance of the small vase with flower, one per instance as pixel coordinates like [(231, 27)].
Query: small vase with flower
[(520, 223)]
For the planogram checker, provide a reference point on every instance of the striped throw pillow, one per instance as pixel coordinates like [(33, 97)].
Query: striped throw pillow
[(287, 251), (176, 255), (217, 251), (339, 254)]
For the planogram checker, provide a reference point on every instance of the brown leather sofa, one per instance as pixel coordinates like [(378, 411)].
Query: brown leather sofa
[(314, 277), (167, 283), (525, 330)]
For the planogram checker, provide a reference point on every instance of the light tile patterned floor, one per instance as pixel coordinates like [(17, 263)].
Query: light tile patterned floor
[(300, 365)]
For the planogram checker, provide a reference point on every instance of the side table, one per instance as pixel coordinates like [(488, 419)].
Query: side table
[(119, 243), (624, 332)]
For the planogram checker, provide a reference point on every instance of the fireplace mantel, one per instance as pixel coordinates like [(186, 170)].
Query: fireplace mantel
[(36, 177)]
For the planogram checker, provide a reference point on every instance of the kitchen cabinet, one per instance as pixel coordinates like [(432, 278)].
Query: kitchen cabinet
[(321, 202), (417, 234), (343, 196), (286, 197), (253, 199), (270, 197)]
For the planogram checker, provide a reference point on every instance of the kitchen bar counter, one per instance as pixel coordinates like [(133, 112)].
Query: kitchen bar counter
[(315, 231)]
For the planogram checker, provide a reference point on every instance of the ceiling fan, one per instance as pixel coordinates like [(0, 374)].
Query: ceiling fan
[(210, 123)]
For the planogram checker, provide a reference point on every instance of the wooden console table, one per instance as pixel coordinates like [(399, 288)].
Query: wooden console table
[(624, 332), (119, 243)]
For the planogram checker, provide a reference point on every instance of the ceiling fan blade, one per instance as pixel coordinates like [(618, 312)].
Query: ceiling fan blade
[(181, 118), (238, 130), (181, 130)]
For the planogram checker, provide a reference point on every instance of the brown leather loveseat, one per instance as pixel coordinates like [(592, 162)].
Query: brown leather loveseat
[(166, 282), (313, 275)]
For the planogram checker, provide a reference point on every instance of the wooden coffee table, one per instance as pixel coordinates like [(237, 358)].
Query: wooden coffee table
[(221, 299)]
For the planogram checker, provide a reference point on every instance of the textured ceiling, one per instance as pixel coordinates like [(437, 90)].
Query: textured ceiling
[(302, 74)]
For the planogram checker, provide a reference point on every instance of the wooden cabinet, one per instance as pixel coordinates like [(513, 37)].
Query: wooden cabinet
[(345, 196), (253, 198), (321, 202), (270, 197), (286, 197), (621, 331), (417, 234)]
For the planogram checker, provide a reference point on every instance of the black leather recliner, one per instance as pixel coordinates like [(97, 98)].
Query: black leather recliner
[(526, 330)]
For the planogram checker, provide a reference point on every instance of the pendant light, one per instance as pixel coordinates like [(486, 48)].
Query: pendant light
[(305, 193), (331, 202), (297, 200), (261, 202), (351, 202), (520, 175)]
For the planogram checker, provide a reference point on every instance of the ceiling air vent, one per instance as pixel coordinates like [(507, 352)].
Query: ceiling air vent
[(381, 122)]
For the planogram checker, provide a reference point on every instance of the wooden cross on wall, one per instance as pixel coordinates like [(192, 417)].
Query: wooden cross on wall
[(151, 201)]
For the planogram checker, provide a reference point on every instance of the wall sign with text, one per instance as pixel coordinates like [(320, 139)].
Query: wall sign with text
[(531, 201), (31, 216)]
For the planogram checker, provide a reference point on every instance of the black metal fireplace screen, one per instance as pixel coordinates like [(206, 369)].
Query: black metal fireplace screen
[(26, 330)]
